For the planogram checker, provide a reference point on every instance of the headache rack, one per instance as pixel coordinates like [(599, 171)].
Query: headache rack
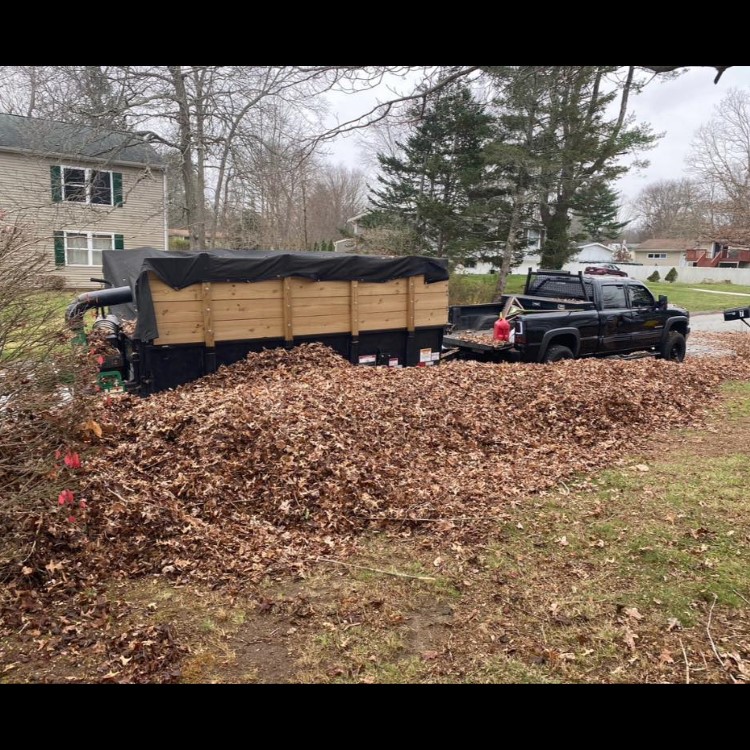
[(559, 285)]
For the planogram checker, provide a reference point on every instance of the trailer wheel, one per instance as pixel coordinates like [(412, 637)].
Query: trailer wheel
[(674, 347), (557, 352)]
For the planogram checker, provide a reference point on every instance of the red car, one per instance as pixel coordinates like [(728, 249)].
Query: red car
[(604, 269)]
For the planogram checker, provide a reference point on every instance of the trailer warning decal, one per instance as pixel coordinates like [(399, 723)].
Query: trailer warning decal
[(425, 355), (367, 359)]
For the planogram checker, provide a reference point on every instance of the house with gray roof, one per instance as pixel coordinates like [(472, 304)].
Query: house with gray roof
[(79, 190)]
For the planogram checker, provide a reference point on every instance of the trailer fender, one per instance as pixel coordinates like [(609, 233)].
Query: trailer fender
[(569, 336)]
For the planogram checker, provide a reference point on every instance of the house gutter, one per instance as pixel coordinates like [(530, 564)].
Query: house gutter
[(81, 157)]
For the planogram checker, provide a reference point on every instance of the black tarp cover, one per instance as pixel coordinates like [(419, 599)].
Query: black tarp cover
[(181, 269)]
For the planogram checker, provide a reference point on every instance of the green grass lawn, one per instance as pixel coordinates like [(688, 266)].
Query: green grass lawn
[(474, 289)]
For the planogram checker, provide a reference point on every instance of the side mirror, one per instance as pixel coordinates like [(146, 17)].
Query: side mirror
[(662, 301)]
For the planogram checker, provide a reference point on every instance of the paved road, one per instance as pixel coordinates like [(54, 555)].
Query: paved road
[(715, 323)]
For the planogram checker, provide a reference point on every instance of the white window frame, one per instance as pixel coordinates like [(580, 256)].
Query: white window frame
[(88, 185), (657, 256), (89, 246)]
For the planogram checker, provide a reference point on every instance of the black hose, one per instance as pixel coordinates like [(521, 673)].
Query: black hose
[(102, 297)]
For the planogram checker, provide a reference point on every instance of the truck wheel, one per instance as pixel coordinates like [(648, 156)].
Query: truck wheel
[(674, 347), (557, 352)]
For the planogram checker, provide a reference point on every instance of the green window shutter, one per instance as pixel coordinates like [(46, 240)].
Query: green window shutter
[(117, 189), (59, 248), (55, 176), (119, 242)]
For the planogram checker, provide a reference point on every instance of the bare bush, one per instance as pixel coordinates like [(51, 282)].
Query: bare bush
[(39, 383)]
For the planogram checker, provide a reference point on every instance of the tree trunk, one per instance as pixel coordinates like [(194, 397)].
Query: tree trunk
[(510, 244), (186, 153)]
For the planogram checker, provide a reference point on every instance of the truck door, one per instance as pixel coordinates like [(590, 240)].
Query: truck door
[(644, 322), (613, 316)]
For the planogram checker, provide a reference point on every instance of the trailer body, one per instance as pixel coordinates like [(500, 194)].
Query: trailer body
[(190, 313)]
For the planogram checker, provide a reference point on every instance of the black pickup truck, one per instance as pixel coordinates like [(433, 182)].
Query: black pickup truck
[(562, 315)]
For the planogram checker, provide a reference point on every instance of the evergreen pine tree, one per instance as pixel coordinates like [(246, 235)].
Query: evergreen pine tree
[(598, 209), (440, 188)]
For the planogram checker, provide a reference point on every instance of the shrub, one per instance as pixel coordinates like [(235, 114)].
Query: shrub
[(654, 277), (671, 276)]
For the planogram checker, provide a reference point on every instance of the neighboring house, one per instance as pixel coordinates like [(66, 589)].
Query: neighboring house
[(81, 190), (594, 252), (658, 252), (719, 254)]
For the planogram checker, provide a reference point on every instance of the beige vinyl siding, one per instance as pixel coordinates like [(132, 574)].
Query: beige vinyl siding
[(26, 196), (673, 258)]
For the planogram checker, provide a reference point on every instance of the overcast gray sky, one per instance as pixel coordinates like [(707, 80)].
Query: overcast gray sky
[(674, 107)]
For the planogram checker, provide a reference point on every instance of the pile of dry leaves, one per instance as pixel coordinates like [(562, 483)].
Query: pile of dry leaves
[(291, 455)]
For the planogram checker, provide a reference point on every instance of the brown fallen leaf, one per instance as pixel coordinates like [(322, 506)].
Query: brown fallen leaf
[(665, 657), (630, 638), (633, 612)]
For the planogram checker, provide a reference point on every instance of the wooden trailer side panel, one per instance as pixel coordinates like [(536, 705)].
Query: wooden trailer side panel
[(292, 307)]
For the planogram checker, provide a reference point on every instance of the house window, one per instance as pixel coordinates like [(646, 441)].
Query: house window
[(658, 256), (92, 186), (85, 248), (533, 239)]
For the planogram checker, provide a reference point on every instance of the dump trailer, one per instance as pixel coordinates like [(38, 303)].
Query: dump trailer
[(176, 316)]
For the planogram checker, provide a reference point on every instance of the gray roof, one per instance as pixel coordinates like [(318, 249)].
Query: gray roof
[(54, 138)]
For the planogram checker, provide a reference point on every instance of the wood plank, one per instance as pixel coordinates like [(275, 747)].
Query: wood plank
[(369, 288), (410, 304), (247, 309), (179, 338), (322, 324), (354, 308), (271, 289), (208, 315), (180, 332), (430, 301), (243, 330), (382, 321), (161, 292), (431, 317), (188, 311), (435, 287), (383, 303), (323, 306), (288, 315), (302, 288)]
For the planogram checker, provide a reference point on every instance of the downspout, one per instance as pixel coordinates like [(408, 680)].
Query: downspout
[(164, 210)]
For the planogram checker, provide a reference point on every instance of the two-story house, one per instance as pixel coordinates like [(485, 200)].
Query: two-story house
[(80, 190)]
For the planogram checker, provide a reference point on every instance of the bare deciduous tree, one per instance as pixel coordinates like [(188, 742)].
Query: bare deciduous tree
[(720, 161), (670, 209)]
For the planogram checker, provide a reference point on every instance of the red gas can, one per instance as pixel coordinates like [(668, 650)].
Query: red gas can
[(501, 330)]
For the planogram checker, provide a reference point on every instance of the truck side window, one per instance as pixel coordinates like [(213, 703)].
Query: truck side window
[(613, 297), (640, 296)]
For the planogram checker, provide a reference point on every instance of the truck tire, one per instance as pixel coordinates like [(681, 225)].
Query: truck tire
[(674, 347), (557, 352)]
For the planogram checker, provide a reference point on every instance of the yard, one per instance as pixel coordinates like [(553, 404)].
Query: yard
[(551, 537)]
